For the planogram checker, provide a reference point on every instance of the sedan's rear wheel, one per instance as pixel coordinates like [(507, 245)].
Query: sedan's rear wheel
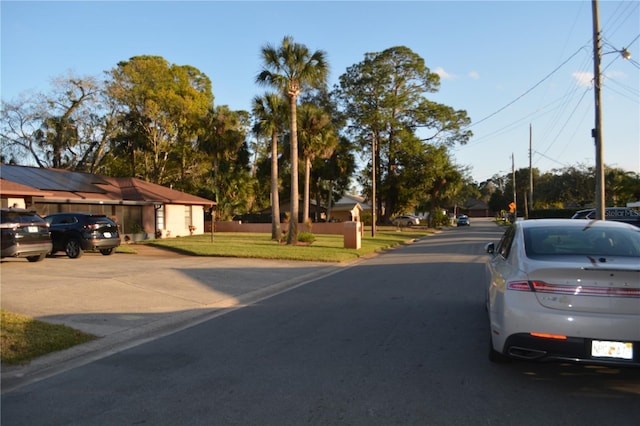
[(73, 248), (106, 252)]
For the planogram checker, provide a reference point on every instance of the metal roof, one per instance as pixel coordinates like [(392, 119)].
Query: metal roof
[(53, 179), (8, 187)]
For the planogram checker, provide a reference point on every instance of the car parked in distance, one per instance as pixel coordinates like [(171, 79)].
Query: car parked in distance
[(565, 290), (463, 220), (24, 234), (405, 220), (619, 214), (74, 233)]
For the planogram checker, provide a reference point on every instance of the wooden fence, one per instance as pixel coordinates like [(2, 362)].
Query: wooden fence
[(332, 228)]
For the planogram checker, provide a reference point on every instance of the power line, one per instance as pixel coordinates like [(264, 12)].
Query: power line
[(623, 14), (570, 106), (559, 119), (564, 125), (526, 92), (619, 17), (550, 159), (554, 106)]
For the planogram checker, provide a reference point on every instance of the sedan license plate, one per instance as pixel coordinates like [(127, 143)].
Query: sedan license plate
[(32, 229), (609, 349)]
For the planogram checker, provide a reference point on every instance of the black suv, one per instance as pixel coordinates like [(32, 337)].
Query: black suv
[(618, 214), (24, 234), (75, 232)]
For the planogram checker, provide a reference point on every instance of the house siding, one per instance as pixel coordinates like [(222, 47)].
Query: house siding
[(175, 224)]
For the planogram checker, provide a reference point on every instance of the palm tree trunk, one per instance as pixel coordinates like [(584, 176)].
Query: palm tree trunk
[(329, 201), (275, 199), (292, 237), (317, 214), (306, 200)]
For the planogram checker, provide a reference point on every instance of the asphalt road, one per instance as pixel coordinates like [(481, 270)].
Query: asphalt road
[(399, 339)]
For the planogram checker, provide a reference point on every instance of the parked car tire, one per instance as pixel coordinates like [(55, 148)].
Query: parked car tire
[(73, 248), (37, 258), (106, 252)]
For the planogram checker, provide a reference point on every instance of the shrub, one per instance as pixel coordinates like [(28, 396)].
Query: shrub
[(366, 218), (440, 219), (306, 237)]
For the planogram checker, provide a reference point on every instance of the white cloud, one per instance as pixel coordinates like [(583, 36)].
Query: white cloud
[(474, 75), (615, 74), (584, 79), (443, 74)]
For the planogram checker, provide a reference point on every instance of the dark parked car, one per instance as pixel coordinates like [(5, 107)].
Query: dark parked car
[(619, 214), (74, 233), (463, 220), (24, 234)]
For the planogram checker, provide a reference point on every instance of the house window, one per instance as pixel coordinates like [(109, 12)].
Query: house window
[(132, 220), (160, 218), (187, 217)]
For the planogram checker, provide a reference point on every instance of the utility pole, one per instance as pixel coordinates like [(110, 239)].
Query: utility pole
[(530, 167), (513, 175), (373, 185), (513, 206), (597, 131)]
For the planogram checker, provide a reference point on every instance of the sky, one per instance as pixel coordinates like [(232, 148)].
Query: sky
[(522, 70)]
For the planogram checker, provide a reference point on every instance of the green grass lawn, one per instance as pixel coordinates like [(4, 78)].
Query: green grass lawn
[(22, 338), (325, 248)]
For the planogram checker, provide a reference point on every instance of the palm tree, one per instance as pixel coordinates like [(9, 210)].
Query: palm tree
[(292, 68), (318, 140), (270, 112)]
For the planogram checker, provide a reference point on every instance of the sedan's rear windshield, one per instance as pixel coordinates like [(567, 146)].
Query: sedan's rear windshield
[(589, 241)]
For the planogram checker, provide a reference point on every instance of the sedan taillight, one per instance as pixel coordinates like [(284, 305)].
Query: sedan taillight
[(577, 290), (519, 286)]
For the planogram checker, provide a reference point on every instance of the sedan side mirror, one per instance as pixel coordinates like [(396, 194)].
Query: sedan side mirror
[(490, 248)]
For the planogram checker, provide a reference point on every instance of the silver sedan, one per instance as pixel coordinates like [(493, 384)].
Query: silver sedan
[(565, 290), (406, 220)]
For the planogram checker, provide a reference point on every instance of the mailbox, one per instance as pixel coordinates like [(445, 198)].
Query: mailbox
[(352, 234)]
